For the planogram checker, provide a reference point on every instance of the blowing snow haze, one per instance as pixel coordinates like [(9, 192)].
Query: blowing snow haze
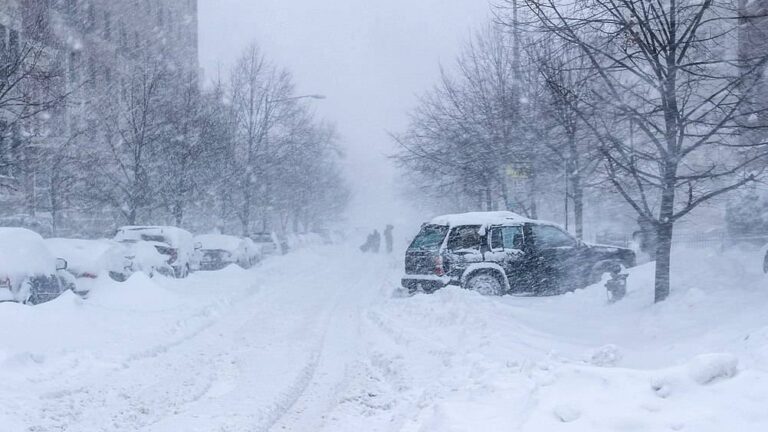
[(370, 58), (389, 216)]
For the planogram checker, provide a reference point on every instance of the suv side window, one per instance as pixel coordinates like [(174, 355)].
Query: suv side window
[(513, 237), (465, 237), (550, 237), (497, 242)]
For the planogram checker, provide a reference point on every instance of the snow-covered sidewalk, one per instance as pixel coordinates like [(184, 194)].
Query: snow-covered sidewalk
[(316, 341)]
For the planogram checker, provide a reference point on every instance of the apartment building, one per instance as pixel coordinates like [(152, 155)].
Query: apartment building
[(95, 46)]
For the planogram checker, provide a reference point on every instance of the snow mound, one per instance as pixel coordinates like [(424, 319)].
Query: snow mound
[(606, 356), (567, 413), (708, 368)]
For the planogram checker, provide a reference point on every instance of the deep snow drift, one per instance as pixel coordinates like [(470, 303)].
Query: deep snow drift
[(316, 340)]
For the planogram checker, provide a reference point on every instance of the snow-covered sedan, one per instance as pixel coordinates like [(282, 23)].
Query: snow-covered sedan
[(89, 259), (218, 251), (176, 244), (29, 272), (269, 243)]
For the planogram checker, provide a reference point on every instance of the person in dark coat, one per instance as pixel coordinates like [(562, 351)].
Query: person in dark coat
[(366, 247), (388, 238), (376, 244)]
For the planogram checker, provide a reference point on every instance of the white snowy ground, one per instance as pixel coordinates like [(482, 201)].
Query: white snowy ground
[(316, 341)]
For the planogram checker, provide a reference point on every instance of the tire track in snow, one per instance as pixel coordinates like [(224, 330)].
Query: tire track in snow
[(342, 352)]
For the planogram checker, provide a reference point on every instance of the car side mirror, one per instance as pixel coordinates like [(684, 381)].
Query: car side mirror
[(198, 246), (61, 264)]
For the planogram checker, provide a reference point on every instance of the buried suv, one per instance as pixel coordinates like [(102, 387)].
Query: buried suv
[(498, 253)]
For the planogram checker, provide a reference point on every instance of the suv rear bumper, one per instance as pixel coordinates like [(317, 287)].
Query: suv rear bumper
[(426, 283)]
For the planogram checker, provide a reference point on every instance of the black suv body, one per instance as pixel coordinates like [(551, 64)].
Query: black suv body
[(497, 253)]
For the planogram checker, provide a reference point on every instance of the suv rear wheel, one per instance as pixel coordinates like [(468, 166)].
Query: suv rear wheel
[(485, 283)]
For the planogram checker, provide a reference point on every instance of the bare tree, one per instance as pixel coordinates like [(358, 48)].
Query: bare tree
[(31, 87), (567, 77), (132, 131), (189, 147), (256, 85), (467, 135), (667, 70)]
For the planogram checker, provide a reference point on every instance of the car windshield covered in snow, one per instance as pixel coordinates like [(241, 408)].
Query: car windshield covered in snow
[(430, 237)]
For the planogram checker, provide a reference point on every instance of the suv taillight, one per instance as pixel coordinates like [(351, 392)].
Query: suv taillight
[(439, 269), (174, 256), (5, 283)]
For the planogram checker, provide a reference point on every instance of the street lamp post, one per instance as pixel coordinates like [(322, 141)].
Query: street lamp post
[(267, 114)]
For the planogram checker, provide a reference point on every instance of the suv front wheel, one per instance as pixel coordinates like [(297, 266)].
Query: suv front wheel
[(485, 283)]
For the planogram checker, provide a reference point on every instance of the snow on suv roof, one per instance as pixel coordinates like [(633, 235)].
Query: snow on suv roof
[(480, 218)]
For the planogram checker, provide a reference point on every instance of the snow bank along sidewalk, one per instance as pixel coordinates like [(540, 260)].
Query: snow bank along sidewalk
[(456, 361)]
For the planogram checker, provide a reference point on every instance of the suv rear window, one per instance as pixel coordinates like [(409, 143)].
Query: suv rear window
[(155, 238), (430, 237), (465, 237)]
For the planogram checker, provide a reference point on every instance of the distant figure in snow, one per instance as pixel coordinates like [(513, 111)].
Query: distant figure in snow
[(366, 247), (376, 245), (388, 238), (372, 243)]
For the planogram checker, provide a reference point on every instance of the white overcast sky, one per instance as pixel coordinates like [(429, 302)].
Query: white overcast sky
[(370, 58)]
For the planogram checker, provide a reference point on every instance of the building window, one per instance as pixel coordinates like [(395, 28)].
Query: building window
[(123, 37), (90, 20), (107, 26), (13, 44), (2, 40), (92, 72), (73, 60)]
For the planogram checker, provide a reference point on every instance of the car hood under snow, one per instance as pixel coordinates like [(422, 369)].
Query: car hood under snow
[(23, 254)]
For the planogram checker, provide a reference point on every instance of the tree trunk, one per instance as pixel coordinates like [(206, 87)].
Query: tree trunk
[(663, 260), (578, 206), (532, 190), (132, 216), (664, 233), (178, 212), (505, 194), (488, 198)]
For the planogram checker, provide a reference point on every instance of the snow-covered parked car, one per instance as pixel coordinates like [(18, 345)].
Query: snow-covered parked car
[(29, 272), (218, 251), (497, 253), (176, 244), (89, 259), (144, 256), (270, 243)]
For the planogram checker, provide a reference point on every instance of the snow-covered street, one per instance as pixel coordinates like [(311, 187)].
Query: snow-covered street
[(316, 341)]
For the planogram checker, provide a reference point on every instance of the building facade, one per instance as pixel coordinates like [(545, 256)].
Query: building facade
[(92, 49)]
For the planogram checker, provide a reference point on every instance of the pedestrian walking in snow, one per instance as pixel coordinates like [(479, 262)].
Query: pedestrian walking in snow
[(388, 238), (368, 245), (376, 245)]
